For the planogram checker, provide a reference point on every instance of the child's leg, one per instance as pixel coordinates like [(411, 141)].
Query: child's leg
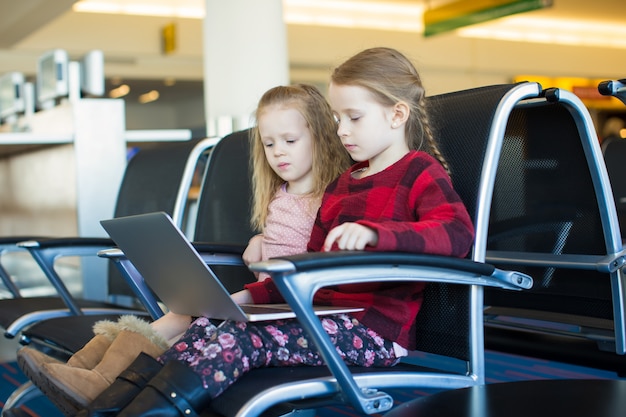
[(220, 355), (171, 326), (93, 368), (209, 358), (71, 387)]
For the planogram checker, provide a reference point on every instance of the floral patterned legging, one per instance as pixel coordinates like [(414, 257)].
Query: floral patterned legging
[(222, 354)]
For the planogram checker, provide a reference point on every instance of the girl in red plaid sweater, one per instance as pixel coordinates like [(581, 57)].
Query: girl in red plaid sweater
[(397, 197)]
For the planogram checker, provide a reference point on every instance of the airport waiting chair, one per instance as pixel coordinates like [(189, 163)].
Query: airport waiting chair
[(152, 181), (470, 128), (469, 125), (8, 245), (615, 88), (222, 227), (162, 177), (221, 231), (554, 217)]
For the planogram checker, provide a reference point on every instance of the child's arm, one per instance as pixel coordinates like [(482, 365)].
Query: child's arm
[(253, 251)]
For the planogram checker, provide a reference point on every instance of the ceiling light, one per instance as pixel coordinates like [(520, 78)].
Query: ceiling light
[(339, 13), (120, 91), (193, 9), (389, 15), (552, 31), (148, 97), (355, 14)]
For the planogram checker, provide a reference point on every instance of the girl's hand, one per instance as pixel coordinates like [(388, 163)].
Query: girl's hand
[(350, 236), (253, 250)]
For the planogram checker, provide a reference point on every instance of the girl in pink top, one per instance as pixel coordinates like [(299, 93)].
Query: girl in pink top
[(295, 154)]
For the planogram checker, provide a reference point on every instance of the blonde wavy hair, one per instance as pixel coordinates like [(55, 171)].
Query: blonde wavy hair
[(392, 78), (330, 158)]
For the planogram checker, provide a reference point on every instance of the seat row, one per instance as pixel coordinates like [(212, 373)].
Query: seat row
[(527, 163)]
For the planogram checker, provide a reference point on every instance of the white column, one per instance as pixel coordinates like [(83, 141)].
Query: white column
[(100, 149), (245, 54)]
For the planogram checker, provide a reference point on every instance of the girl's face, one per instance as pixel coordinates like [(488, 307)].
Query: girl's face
[(288, 147), (365, 127)]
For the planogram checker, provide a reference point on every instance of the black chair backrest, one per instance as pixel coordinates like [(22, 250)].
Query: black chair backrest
[(150, 183), (544, 198), (461, 122), (152, 178), (224, 204), (614, 151), (225, 196)]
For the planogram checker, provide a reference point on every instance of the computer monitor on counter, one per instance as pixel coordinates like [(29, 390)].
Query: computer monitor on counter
[(12, 97), (52, 78)]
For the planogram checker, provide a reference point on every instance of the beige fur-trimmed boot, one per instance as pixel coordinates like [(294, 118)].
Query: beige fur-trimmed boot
[(72, 388), (91, 354), (30, 360)]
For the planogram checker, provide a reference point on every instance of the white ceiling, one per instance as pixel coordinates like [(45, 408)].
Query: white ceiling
[(132, 44)]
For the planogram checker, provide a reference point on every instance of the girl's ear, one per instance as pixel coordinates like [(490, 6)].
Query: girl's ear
[(401, 112)]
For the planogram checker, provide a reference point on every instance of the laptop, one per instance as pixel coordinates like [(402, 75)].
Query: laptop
[(178, 275)]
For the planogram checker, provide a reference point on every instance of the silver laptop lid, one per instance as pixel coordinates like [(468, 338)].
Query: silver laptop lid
[(171, 266)]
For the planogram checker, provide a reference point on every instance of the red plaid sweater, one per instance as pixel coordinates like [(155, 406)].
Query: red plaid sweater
[(414, 208)]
